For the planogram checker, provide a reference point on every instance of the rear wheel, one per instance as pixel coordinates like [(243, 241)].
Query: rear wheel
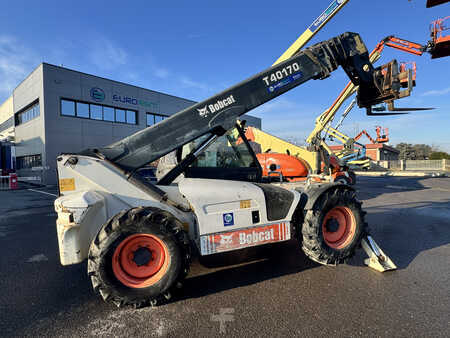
[(334, 228), (138, 256)]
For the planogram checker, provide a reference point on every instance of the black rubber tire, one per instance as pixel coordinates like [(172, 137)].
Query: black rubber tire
[(352, 176), (138, 220), (313, 243), (342, 179)]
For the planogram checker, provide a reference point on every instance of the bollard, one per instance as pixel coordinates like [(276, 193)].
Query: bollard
[(13, 183)]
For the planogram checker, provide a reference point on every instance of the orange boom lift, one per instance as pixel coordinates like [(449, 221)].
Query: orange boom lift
[(381, 137), (440, 42)]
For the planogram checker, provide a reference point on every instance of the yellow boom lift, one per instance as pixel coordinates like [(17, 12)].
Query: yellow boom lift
[(318, 151)]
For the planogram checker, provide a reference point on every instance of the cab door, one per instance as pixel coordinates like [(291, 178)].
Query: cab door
[(229, 158)]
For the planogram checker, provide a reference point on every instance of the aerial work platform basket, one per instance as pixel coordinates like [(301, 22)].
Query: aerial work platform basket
[(440, 38)]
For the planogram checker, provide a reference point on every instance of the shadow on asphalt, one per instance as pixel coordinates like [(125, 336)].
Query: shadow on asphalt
[(271, 262), (373, 188), (404, 230)]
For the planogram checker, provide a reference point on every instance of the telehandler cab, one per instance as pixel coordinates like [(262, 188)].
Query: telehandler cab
[(139, 237)]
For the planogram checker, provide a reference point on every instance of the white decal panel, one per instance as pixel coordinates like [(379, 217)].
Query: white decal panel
[(233, 240)]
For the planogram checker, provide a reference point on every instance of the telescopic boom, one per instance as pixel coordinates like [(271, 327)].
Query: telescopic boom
[(218, 113)]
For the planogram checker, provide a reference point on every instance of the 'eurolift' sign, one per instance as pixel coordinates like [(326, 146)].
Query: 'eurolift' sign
[(98, 95)]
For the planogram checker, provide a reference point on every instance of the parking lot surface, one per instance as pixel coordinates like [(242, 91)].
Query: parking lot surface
[(277, 292)]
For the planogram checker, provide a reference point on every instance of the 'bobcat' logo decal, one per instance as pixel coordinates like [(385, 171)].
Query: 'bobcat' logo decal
[(203, 111), (216, 107), (226, 239)]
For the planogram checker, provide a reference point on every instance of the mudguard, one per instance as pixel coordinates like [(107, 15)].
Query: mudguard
[(313, 192)]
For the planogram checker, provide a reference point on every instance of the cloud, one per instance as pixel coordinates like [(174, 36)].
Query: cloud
[(16, 61), (194, 36), (437, 92), (286, 118), (162, 73), (106, 55), (189, 83)]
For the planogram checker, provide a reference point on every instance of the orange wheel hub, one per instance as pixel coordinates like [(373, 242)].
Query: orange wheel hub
[(338, 227), (140, 260)]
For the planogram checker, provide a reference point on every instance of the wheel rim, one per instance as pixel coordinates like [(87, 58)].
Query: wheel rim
[(140, 260), (341, 180), (338, 227)]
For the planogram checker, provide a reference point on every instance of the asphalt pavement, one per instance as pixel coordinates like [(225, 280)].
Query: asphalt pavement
[(272, 292)]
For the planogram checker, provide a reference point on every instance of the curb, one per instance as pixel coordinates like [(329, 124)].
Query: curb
[(400, 173)]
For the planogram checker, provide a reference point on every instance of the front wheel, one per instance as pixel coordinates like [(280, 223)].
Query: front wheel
[(334, 228), (352, 176), (138, 256), (342, 179)]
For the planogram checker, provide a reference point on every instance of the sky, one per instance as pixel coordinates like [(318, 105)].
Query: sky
[(194, 49)]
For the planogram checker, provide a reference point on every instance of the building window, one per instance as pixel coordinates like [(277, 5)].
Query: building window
[(27, 114), (83, 110), (97, 112), (108, 114), (28, 162), (7, 124), (67, 108), (120, 115), (131, 117), (154, 118)]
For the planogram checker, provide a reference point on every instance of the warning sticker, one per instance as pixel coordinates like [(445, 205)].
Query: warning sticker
[(66, 184), (245, 204)]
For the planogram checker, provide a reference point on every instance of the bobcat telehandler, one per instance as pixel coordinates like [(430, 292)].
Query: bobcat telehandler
[(139, 236)]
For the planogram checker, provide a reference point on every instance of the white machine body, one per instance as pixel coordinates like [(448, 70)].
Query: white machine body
[(219, 215)]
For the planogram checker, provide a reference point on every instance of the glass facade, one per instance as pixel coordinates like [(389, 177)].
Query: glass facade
[(97, 112), (28, 114), (28, 162), (155, 118)]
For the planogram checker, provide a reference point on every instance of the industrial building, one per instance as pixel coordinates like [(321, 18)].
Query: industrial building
[(56, 110)]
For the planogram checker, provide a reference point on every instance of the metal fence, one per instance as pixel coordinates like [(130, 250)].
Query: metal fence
[(424, 165), (4, 182), (427, 165), (394, 165)]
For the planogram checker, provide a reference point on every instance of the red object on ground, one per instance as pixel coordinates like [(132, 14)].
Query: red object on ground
[(13, 183)]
